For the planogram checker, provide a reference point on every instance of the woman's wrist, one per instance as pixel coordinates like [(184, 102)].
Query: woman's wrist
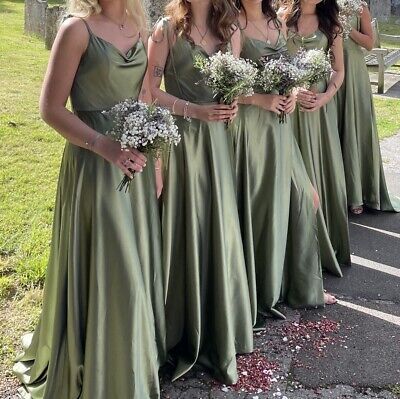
[(326, 97), (192, 110), (98, 144), (90, 143)]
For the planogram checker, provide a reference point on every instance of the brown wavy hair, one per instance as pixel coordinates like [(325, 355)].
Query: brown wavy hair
[(222, 19), (328, 18), (267, 9)]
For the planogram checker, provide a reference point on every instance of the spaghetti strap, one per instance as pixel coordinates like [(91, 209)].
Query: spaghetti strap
[(87, 26)]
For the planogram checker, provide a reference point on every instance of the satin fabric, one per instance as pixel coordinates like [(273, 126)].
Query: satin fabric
[(102, 329), (318, 139), (207, 298), (302, 283), (365, 178), (267, 182)]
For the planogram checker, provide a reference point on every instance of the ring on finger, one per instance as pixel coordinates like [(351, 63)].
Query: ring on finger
[(127, 161)]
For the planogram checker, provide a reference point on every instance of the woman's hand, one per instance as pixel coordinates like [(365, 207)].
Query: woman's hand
[(306, 98), (310, 101), (129, 161), (213, 112), (291, 103), (272, 102)]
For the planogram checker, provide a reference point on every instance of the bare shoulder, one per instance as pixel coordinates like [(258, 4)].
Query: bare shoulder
[(163, 27), (366, 14), (73, 32)]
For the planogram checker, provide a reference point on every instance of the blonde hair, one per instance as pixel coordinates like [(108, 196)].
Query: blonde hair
[(86, 8)]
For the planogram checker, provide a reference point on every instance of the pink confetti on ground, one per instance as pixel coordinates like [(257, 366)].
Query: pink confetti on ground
[(255, 372), (315, 334)]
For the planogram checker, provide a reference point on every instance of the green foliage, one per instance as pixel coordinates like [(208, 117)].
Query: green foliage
[(395, 389), (387, 115), (30, 152), (390, 27)]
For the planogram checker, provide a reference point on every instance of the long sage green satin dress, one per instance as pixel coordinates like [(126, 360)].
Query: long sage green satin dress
[(318, 139), (365, 178), (102, 329), (208, 311), (267, 184)]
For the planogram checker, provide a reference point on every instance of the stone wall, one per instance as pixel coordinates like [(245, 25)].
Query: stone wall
[(35, 17), (42, 20), (53, 20), (155, 9), (396, 8), (383, 9)]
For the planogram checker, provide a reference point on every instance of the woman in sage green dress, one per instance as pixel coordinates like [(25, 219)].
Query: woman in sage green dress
[(315, 124), (208, 312), (365, 178), (272, 184), (101, 332)]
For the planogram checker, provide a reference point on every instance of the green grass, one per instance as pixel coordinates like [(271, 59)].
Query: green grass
[(387, 115), (30, 155), (390, 28)]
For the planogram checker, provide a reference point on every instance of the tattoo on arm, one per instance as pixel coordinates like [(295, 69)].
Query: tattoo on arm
[(158, 72)]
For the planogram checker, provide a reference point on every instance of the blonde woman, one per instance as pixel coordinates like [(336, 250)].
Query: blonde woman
[(101, 332)]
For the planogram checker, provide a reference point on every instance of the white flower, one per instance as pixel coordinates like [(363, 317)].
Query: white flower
[(280, 75), (228, 77), (348, 10), (314, 65), (148, 128)]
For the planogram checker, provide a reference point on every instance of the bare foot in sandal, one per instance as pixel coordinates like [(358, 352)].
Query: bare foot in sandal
[(329, 299), (357, 210)]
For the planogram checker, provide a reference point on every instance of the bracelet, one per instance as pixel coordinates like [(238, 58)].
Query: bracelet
[(173, 106), (185, 112), (92, 144)]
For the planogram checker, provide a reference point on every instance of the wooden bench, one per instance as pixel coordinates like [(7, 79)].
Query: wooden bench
[(380, 59)]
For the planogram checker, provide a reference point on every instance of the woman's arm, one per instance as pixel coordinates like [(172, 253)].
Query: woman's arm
[(364, 38), (70, 44), (159, 44), (236, 42), (337, 76)]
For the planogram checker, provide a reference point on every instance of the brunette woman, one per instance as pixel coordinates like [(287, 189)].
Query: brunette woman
[(365, 178), (207, 298), (272, 183), (313, 24)]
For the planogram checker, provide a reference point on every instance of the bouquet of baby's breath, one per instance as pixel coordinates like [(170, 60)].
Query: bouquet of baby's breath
[(315, 65), (348, 10), (280, 75), (229, 77), (148, 128)]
